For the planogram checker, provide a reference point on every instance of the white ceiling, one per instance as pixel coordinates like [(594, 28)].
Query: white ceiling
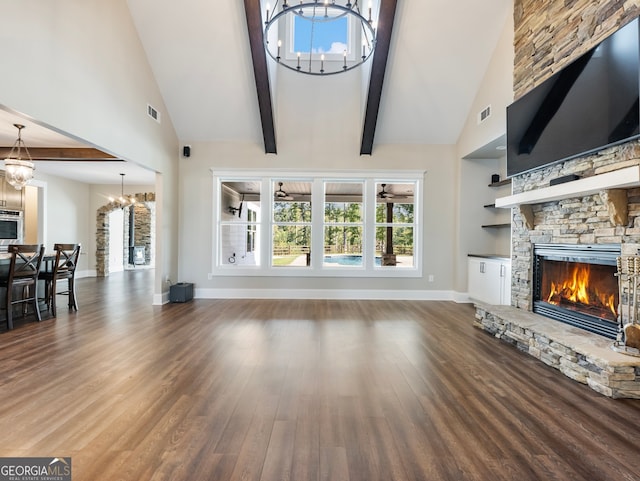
[(439, 54)]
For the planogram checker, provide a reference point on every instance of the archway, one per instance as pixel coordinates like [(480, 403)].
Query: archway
[(142, 230)]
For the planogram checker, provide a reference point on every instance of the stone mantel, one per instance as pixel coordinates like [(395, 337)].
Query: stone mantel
[(617, 179)]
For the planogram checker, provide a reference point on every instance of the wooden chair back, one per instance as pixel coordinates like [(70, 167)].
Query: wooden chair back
[(66, 259), (26, 260)]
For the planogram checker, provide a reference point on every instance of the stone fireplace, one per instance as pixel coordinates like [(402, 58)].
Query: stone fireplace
[(554, 242), (547, 36)]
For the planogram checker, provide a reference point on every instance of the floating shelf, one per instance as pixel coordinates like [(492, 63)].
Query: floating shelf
[(495, 226), (500, 183), (617, 179)]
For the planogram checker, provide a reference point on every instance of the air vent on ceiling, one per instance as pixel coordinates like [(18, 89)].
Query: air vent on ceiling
[(484, 114), (153, 113)]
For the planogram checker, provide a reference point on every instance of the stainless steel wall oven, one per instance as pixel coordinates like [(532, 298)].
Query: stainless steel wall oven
[(11, 227)]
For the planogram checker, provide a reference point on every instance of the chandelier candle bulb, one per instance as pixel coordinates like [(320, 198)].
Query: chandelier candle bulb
[(369, 12), (279, 45), (322, 63), (298, 66), (344, 58), (268, 7)]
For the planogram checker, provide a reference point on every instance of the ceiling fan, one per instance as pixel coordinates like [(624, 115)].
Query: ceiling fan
[(383, 194), (237, 210), (281, 194)]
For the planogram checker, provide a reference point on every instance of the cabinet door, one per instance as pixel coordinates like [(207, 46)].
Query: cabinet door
[(10, 198), (505, 290), (13, 199), (474, 278), (4, 185), (484, 280)]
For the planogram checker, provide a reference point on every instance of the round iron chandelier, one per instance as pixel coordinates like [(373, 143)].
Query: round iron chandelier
[(294, 34)]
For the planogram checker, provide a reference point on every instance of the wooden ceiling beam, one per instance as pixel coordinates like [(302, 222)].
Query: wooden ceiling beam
[(386, 17), (62, 153), (261, 73)]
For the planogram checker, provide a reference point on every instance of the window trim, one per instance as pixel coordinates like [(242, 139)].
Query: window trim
[(317, 178)]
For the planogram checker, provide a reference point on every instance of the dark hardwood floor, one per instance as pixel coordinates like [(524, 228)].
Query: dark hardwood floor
[(296, 390)]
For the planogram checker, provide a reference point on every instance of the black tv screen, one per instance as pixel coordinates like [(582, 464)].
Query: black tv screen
[(590, 104)]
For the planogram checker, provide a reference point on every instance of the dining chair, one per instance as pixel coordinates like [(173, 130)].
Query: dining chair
[(64, 267), (22, 276)]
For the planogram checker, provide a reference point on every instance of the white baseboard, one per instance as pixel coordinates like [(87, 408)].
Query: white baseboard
[(160, 299), (86, 273), (347, 294), (461, 297)]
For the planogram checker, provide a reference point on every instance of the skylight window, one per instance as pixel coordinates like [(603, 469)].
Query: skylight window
[(319, 38), (327, 37)]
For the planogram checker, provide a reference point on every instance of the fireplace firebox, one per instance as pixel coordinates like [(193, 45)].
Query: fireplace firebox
[(576, 284)]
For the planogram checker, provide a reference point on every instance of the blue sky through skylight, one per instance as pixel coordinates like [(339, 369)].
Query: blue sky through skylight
[(328, 37)]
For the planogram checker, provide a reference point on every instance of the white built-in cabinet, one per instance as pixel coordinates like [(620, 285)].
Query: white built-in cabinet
[(489, 279)]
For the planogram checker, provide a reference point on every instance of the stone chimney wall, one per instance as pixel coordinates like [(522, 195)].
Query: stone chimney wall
[(548, 36)]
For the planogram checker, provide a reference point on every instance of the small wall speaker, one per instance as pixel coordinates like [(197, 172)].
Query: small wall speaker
[(186, 151)]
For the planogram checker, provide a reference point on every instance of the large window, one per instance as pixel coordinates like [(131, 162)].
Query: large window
[(395, 224), (239, 223), (291, 224), (343, 224), (317, 225)]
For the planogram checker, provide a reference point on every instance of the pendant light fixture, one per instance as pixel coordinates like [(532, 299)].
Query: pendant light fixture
[(122, 200), (18, 171)]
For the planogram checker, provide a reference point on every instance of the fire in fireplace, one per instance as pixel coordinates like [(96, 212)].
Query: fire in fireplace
[(576, 284)]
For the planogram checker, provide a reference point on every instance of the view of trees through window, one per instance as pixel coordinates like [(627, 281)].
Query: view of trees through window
[(343, 224), (291, 224)]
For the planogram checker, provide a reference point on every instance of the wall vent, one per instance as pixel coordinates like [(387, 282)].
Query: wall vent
[(484, 114), (153, 113)]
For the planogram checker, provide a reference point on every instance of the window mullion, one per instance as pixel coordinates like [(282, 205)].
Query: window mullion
[(266, 221), (317, 218), (369, 251)]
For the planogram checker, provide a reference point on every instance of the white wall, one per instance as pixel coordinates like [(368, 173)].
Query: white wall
[(63, 216), (82, 70), (439, 208), (496, 90), (474, 175)]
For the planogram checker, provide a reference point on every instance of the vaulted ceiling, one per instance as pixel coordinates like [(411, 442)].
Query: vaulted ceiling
[(200, 54)]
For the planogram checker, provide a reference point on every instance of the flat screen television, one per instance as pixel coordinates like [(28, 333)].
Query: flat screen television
[(590, 104)]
